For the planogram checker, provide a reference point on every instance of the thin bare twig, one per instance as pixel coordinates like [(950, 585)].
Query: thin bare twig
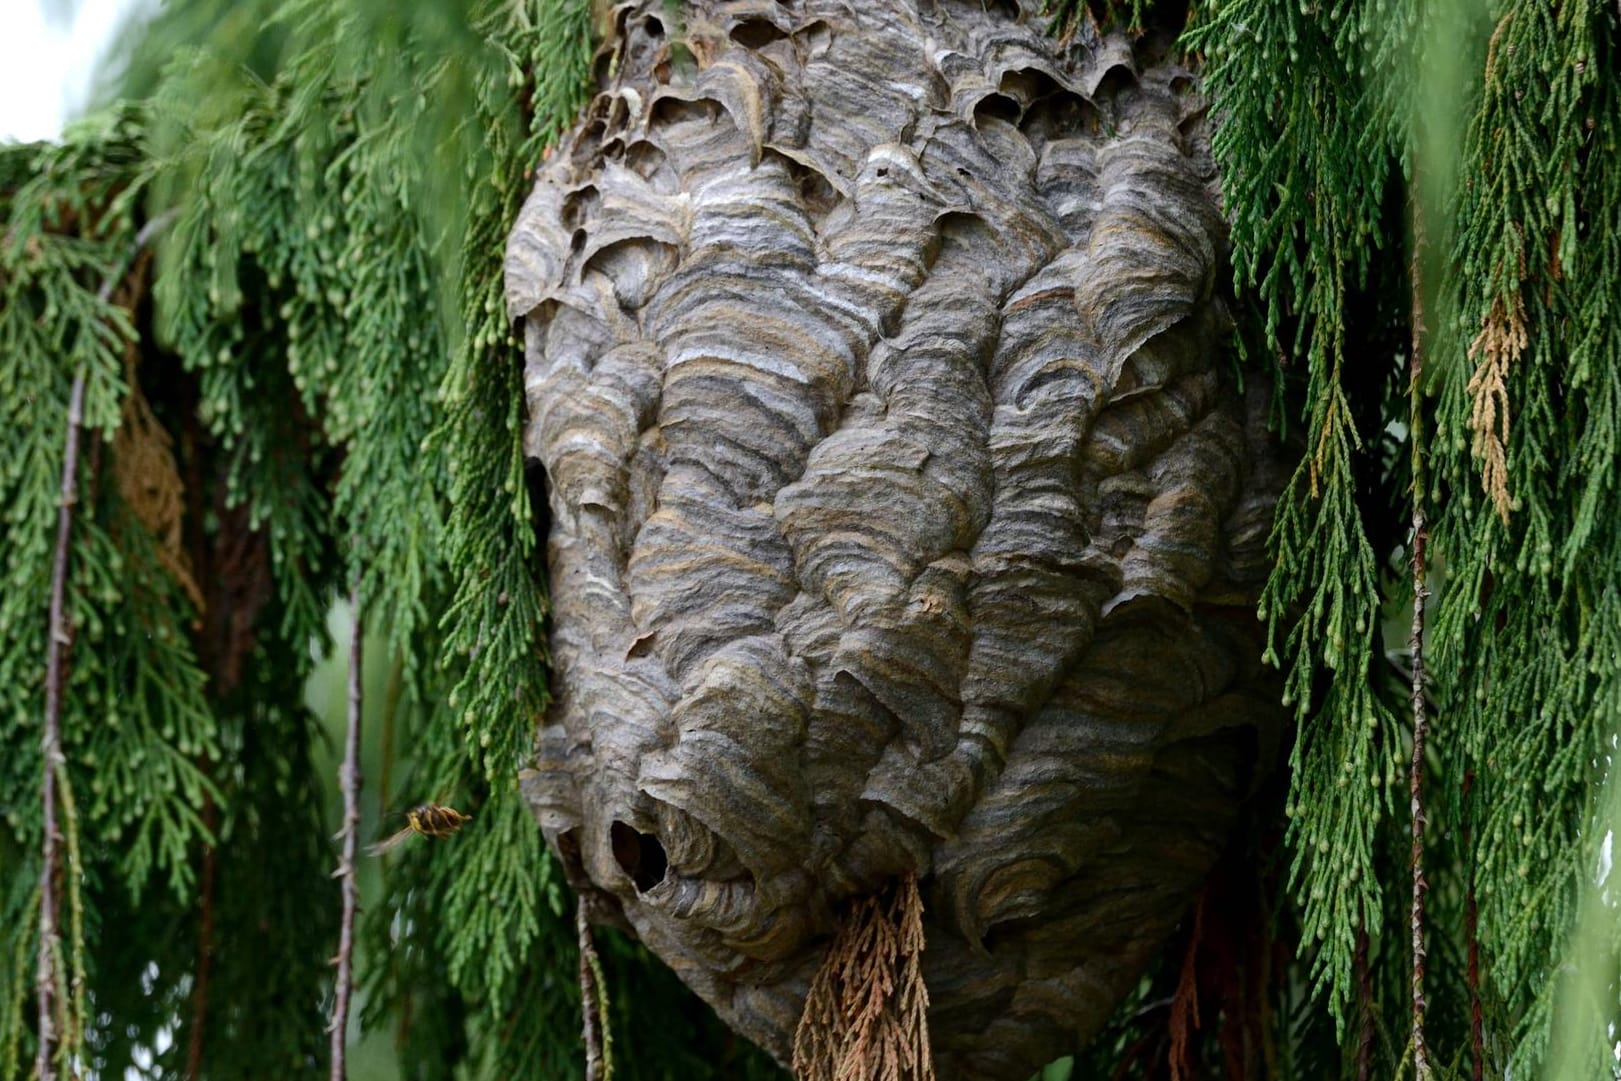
[(1364, 1002), (385, 786), (1421, 1054), (205, 949), (1471, 925), (590, 996), (59, 635), (349, 781), (147, 234)]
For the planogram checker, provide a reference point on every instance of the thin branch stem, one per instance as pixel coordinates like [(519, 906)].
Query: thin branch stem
[(385, 788), (205, 948), (349, 781), (1471, 925), (59, 635), (148, 233), (1415, 641), (1364, 997), (590, 995)]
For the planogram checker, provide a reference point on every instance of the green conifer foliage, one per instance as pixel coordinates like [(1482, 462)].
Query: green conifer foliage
[(135, 720), (324, 366), (1306, 162), (1528, 437), (277, 265), (1328, 125)]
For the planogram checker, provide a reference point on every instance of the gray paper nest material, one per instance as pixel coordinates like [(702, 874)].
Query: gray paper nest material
[(904, 514)]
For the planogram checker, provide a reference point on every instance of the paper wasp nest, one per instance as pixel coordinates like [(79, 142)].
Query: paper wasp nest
[(904, 515)]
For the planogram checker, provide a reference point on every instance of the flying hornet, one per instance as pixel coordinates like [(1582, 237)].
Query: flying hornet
[(426, 819)]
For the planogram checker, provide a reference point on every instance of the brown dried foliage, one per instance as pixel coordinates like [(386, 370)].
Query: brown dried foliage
[(149, 482), (1220, 1002), (865, 1018), (1185, 1018), (1501, 340), (144, 465)]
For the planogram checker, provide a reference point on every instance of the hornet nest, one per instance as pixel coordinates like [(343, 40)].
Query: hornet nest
[(904, 514)]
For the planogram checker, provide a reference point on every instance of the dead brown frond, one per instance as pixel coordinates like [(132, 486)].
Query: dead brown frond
[(1185, 1018), (866, 1016), (1501, 340), (149, 482)]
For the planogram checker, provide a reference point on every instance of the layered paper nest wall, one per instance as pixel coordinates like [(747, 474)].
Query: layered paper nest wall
[(905, 514)]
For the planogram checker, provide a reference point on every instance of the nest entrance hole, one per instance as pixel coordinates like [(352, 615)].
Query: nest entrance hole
[(640, 855)]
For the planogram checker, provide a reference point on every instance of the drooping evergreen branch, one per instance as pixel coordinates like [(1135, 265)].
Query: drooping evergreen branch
[(1185, 1018), (349, 781), (72, 985), (592, 999), (58, 636), (1522, 638), (1415, 640), (1366, 1031), (300, 312), (866, 1014), (1471, 931), (205, 949)]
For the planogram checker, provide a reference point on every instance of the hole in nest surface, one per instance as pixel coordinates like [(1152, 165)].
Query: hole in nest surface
[(819, 196), (998, 107), (568, 847), (672, 109), (757, 33), (639, 855), (540, 506)]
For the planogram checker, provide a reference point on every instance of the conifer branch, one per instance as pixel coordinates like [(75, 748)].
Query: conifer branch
[(1185, 1003), (1421, 1058), (349, 781), (59, 636), (1364, 997), (590, 996), (1471, 927), (205, 949), (72, 985), (866, 1014)]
